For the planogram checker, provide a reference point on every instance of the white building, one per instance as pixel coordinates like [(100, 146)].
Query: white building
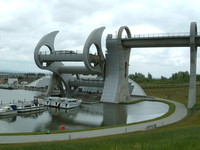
[(12, 81)]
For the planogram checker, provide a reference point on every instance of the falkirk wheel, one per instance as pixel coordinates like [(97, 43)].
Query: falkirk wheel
[(113, 69)]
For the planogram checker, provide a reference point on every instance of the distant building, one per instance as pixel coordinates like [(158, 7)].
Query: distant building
[(2, 80), (41, 82), (24, 83), (13, 81), (135, 89)]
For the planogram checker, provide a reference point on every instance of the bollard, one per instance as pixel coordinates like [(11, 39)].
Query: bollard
[(125, 130), (47, 132)]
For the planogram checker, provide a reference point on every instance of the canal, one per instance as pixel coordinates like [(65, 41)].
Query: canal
[(84, 117)]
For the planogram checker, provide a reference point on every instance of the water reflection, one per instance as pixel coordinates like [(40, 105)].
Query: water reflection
[(9, 119), (86, 116), (23, 123), (114, 114)]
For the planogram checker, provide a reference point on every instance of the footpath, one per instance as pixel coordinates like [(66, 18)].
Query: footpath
[(180, 112)]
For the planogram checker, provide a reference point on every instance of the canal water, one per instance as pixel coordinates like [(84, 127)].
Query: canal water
[(84, 117)]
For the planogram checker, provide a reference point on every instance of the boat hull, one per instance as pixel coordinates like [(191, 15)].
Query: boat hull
[(30, 109), (7, 113)]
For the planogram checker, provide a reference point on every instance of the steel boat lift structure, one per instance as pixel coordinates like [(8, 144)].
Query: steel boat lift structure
[(113, 68)]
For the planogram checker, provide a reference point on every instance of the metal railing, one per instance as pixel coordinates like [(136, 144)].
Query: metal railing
[(164, 35), (88, 81), (160, 35), (60, 52)]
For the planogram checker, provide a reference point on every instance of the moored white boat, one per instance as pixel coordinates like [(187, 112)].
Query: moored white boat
[(9, 109), (55, 103), (61, 102), (30, 107), (51, 101), (70, 103)]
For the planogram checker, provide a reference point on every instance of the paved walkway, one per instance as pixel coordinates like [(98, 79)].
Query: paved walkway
[(180, 113)]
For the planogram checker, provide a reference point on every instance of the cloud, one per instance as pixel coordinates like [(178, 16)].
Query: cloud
[(159, 61), (24, 22)]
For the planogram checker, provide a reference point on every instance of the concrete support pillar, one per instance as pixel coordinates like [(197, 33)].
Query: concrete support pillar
[(193, 63), (117, 65), (55, 81), (52, 82)]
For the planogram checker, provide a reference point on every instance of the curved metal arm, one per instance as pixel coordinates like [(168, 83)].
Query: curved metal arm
[(121, 29), (94, 38), (47, 40)]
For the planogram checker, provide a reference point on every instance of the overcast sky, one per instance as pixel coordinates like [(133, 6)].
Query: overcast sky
[(24, 22)]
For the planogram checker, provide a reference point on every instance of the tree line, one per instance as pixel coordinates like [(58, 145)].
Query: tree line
[(179, 77)]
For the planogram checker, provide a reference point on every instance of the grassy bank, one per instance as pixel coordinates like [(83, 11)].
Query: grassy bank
[(177, 93), (159, 139), (183, 135)]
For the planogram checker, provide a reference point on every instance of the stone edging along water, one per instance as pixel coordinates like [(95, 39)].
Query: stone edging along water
[(179, 113)]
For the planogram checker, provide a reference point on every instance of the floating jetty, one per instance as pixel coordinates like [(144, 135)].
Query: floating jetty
[(20, 107)]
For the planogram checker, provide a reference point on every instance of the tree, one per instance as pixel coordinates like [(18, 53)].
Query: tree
[(137, 77), (149, 76), (163, 78), (181, 76), (198, 77)]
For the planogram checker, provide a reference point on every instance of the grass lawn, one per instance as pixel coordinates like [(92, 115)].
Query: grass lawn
[(179, 93), (159, 139), (183, 135)]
